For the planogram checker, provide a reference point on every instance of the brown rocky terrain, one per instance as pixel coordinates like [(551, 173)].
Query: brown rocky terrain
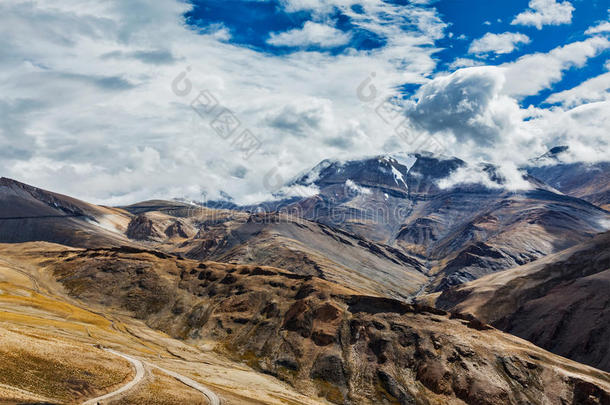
[(323, 339), (275, 308), (560, 303), (382, 223), (51, 349), (280, 240)]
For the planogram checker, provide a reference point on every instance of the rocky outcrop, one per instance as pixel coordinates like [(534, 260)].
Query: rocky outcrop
[(142, 227), (179, 229)]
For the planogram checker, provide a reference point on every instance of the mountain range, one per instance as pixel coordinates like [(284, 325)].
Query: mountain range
[(394, 279)]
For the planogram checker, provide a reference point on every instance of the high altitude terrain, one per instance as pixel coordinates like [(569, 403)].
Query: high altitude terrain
[(324, 298)]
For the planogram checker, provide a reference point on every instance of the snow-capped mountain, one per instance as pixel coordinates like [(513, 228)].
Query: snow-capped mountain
[(462, 218)]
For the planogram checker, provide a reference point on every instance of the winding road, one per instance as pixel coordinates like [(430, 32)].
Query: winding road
[(137, 379), (140, 373), (211, 396)]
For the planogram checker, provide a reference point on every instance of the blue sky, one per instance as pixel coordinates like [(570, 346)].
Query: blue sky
[(117, 101), (252, 23)]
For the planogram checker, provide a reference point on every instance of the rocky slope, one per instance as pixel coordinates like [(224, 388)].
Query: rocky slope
[(287, 241), (322, 303), (53, 349), (324, 339), (560, 303), (386, 223)]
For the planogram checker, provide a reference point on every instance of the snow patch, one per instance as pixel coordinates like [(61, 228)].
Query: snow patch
[(605, 223), (405, 159), (398, 176), (106, 223)]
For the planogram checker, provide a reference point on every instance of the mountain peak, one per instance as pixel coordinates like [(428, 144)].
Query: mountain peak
[(553, 156)]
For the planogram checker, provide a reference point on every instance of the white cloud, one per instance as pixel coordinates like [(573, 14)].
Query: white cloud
[(477, 121), (532, 73), (87, 108), (218, 31), (498, 43), (584, 129), (602, 27), (513, 178), (312, 33), (459, 63), (380, 17), (467, 104), (591, 90), (295, 190), (355, 188), (545, 12)]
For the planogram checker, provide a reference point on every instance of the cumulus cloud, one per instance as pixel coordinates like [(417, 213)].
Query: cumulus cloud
[(498, 43), (312, 33), (512, 177), (478, 121), (459, 63), (583, 128), (153, 57), (297, 190), (545, 12), (355, 188), (466, 104), (302, 118)]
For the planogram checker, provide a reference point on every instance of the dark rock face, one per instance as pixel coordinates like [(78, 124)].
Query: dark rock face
[(588, 394), (330, 368), (178, 229), (478, 256), (375, 305), (394, 389)]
